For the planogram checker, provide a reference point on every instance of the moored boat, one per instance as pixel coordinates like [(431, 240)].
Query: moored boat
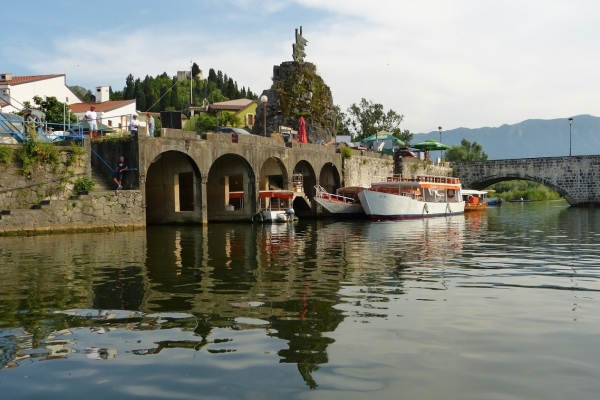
[(475, 200), (343, 204), (423, 197), (275, 206)]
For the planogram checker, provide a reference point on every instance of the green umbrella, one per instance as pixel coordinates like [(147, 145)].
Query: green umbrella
[(430, 145), (381, 137)]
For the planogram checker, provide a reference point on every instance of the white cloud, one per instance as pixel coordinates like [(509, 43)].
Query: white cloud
[(460, 63)]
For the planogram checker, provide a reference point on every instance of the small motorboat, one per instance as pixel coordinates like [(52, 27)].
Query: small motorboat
[(475, 200), (275, 206)]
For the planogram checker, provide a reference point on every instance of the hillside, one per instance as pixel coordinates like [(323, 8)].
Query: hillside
[(530, 138)]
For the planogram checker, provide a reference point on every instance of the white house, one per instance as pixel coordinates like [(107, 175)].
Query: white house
[(116, 114), (16, 90)]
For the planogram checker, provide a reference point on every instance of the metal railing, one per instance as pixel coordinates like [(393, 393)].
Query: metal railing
[(124, 126)]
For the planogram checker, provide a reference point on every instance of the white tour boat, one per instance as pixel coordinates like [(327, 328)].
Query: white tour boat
[(343, 204), (423, 197)]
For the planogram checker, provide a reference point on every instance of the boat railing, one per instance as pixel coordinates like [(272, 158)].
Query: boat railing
[(438, 179), (321, 193)]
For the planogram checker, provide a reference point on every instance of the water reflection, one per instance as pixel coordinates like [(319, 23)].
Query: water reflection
[(265, 298)]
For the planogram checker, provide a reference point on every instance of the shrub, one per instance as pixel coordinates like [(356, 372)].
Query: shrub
[(346, 152), (6, 154), (83, 184), (35, 151), (75, 151)]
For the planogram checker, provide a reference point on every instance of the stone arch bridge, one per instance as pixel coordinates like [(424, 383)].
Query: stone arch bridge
[(576, 178), (187, 180)]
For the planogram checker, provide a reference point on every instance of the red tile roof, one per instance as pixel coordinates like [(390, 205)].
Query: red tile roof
[(100, 107), (17, 80)]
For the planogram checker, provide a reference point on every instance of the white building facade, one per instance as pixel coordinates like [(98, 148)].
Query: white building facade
[(16, 90)]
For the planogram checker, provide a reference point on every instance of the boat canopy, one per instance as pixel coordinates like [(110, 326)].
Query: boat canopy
[(470, 192), (276, 194)]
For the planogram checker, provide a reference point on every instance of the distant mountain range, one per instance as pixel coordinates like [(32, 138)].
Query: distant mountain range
[(530, 138)]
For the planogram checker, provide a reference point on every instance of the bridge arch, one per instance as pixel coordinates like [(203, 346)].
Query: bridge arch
[(575, 178), (173, 189)]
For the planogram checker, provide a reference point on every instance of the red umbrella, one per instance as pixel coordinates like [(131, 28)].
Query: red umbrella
[(302, 131)]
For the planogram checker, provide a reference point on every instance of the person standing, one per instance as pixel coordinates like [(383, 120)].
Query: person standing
[(135, 124), (92, 119), (150, 124), (121, 166)]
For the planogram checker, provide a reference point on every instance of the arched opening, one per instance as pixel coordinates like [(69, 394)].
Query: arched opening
[(173, 190), (230, 191), (304, 178), (329, 178), (273, 175)]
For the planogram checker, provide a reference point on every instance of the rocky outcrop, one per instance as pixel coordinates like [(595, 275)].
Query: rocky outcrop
[(298, 91)]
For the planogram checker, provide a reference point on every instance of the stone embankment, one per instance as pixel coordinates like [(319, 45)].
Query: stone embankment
[(40, 198), (95, 212)]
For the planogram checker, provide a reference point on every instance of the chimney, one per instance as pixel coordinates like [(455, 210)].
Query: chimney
[(102, 94), (6, 77)]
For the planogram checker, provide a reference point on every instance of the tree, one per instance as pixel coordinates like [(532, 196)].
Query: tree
[(216, 96), (212, 75), (205, 123), (406, 136), (55, 111), (85, 95), (360, 118), (466, 152), (195, 70), (227, 118), (129, 90)]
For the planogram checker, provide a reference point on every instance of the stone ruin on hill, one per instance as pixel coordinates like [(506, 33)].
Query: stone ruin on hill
[(298, 91)]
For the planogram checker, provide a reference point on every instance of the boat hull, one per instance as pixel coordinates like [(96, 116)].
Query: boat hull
[(475, 207), (275, 216), (379, 205), (341, 209)]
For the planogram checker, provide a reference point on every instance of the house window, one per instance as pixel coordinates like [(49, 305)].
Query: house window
[(249, 119), (109, 123)]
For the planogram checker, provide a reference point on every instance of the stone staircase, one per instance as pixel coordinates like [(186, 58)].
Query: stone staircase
[(102, 182)]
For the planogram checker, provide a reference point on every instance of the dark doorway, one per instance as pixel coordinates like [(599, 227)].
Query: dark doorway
[(186, 191)]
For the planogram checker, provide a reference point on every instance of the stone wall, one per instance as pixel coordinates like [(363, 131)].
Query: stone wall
[(98, 211), (413, 167), (19, 190), (361, 170)]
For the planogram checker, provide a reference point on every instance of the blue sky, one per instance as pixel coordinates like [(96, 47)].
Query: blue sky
[(460, 63)]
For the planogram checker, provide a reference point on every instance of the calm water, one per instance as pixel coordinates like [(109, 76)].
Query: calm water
[(497, 305)]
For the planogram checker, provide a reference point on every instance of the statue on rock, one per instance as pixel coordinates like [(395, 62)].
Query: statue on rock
[(298, 48), (297, 94)]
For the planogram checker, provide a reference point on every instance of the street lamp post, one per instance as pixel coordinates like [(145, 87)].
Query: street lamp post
[(440, 129), (570, 123), (376, 126), (263, 99)]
